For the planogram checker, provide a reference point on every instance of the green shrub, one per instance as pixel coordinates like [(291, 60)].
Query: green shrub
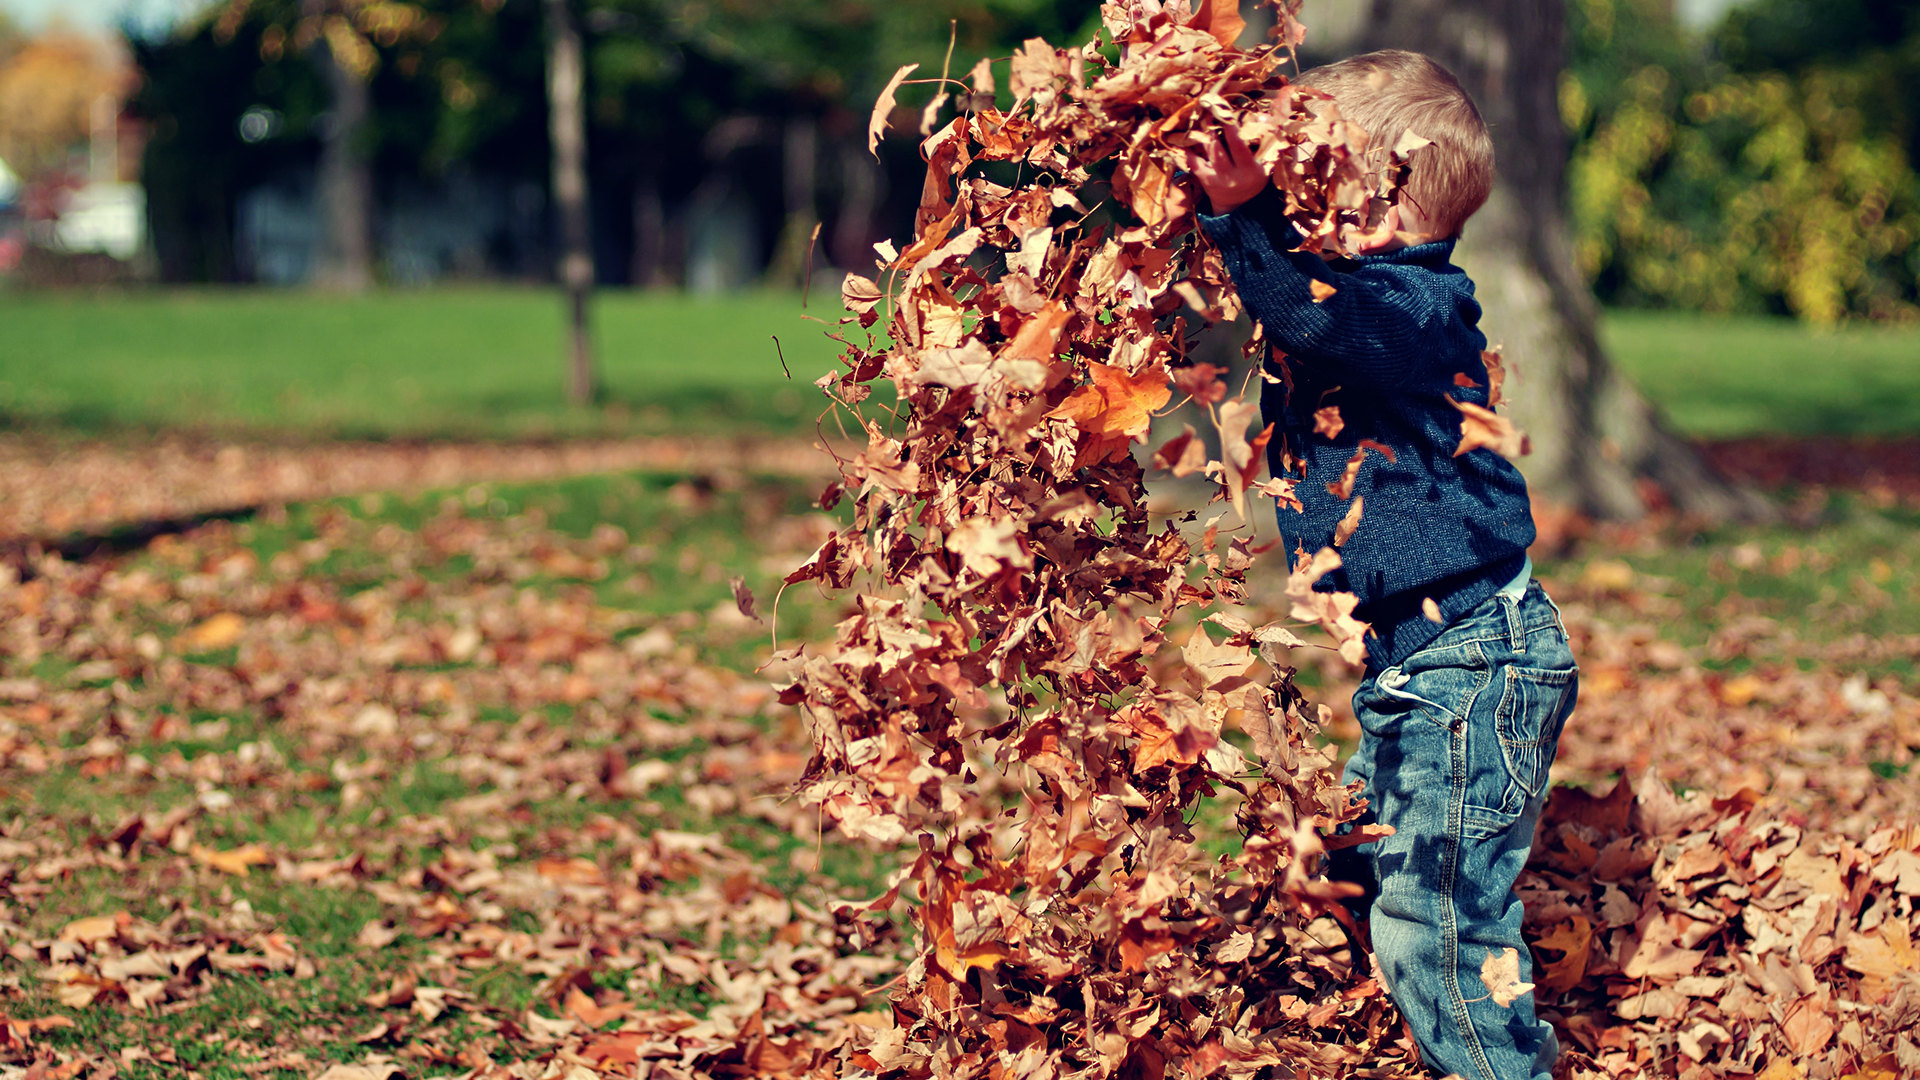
[(1745, 172)]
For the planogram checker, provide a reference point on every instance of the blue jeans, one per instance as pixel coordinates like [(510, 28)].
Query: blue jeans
[(1454, 754)]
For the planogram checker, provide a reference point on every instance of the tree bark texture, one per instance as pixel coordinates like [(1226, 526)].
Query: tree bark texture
[(345, 181), (1598, 445), (799, 156), (567, 133)]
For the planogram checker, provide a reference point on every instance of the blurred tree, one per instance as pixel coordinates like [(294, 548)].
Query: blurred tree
[(1598, 446), (12, 39), (339, 37), (48, 89), (786, 83), (566, 92), (685, 100), (463, 92)]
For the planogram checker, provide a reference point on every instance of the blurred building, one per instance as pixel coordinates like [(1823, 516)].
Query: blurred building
[(108, 213)]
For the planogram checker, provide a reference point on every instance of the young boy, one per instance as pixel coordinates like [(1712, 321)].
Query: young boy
[(1469, 679)]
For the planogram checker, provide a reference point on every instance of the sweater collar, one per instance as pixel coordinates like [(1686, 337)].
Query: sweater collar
[(1431, 253)]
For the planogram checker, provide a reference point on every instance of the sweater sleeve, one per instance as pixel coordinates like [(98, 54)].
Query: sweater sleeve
[(1377, 324)]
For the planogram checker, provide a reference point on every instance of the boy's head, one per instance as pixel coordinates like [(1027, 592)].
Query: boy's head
[(1393, 91)]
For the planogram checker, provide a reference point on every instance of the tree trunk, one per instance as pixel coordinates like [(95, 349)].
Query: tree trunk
[(799, 155), (862, 185), (1598, 446), (345, 182), (649, 230), (567, 131)]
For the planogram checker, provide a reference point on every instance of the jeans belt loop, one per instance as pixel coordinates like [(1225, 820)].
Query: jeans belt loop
[(1516, 626)]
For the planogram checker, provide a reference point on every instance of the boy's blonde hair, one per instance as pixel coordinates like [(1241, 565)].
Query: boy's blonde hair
[(1394, 91)]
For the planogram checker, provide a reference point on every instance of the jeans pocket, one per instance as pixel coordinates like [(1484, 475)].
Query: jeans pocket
[(1533, 708), (1396, 695)]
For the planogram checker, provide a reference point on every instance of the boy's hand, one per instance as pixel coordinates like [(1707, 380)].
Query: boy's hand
[(1227, 172)]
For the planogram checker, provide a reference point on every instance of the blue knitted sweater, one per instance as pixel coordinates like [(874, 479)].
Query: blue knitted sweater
[(1385, 348)]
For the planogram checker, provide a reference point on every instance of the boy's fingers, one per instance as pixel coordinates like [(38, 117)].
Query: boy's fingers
[(1235, 146)]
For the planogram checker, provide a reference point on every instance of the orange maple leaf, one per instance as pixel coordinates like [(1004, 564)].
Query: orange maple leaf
[(1221, 19), (1115, 402)]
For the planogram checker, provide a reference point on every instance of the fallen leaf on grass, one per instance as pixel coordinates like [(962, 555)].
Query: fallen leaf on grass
[(95, 928), (375, 935), (215, 633), (236, 861), (574, 871), (371, 1071), (590, 1012)]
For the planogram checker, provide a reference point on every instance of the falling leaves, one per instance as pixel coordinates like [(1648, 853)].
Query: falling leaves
[(1482, 427), (883, 107), (1501, 974), (1182, 455), (1006, 555), (1031, 685), (743, 598)]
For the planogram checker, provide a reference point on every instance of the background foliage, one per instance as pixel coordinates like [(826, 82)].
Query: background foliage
[(1767, 167), (1763, 166)]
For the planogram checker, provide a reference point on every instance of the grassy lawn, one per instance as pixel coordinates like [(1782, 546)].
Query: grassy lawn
[(1728, 377), (487, 362), (458, 362)]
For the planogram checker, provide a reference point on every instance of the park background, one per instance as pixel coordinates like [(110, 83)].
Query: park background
[(354, 635)]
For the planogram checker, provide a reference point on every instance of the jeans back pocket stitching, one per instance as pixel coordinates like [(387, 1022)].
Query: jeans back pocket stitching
[(1511, 749)]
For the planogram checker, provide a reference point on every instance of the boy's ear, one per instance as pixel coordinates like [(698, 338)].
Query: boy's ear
[(1385, 235)]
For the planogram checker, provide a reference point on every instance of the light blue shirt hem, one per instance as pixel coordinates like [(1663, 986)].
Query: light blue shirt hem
[(1517, 588)]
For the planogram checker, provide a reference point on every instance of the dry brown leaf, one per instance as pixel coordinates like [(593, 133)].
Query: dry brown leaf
[(1501, 973), (1482, 427), (1343, 531), (1327, 421), (237, 861), (883, 108), (214, 633)]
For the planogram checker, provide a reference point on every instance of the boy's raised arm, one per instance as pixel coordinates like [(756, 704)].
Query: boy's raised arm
[(1375, 323)]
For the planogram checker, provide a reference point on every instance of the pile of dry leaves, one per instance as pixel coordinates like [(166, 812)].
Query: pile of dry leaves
[(1720, 936)]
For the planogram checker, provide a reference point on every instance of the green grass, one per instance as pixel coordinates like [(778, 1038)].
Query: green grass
[(455, 362), (1734, 376), (487, 362), (1841, 571)]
